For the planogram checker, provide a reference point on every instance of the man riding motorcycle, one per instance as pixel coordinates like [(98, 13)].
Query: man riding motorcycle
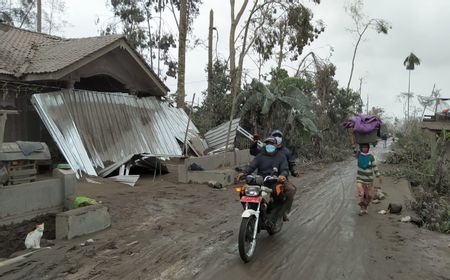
[(255, 150), (269, 158), (290, 188)]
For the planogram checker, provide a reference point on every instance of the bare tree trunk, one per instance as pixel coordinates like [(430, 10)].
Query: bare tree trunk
[(149, 37), (281, 40), (182, 53), (234, 72), (210, 51), (39, 16), (409, 92), (354, 54), (159, 38)]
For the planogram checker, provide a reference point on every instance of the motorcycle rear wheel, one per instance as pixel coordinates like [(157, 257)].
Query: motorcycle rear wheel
[(246, 242)]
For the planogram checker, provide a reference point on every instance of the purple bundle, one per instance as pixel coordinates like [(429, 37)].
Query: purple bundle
[(363, 123)]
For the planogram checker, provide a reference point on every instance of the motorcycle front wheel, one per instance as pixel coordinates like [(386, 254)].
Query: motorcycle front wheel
[(246, 242), (276, 227)]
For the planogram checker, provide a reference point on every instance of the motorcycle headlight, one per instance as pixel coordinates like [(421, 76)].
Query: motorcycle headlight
[(252, 191)]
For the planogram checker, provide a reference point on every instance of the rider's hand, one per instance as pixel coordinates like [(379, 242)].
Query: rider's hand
[(281, 178), (256, 137), (239, 176), (295, 173)]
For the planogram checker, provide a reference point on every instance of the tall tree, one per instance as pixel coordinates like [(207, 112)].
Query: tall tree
[(23, 14), (288, 32), (142, 23), (19, 13), (216, 105), (53, 16), (361, 24), (182, 33), (258, 18), (410, 63)]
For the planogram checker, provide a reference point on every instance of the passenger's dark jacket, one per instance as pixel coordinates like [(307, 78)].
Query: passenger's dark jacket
[(265, 163), (254, 151)]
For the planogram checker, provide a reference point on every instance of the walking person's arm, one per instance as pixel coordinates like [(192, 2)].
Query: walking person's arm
[(376, 171)]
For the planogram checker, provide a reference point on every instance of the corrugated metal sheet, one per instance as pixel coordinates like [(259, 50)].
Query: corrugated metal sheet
[(94, 129), (217, 137)]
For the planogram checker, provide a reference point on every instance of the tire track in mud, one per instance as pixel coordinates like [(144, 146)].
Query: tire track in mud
[(321, 229)]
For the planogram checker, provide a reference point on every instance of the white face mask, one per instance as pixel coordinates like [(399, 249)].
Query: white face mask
[(279, 140)]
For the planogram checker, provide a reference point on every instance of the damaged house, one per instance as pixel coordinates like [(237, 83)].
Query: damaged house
[(94, 100), (33, 62), (95, 97)]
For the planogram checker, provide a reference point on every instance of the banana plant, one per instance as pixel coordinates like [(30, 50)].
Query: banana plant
[(284, 108)]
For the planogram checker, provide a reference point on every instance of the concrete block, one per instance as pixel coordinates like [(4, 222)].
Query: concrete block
[(25, 201), (81, 221), (68, 181), (211, 162), (182, 174), (243, 157), (214, 167), (224, 177)]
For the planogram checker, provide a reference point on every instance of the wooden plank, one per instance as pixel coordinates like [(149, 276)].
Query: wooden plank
[(22, 172), (21, 162), (22, 180), (21, 167)]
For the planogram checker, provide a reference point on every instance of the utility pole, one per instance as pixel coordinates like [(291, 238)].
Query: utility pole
[(210, 51), (39, 16), (360, 85), (367, 105)]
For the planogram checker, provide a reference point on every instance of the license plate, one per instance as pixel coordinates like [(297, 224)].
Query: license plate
[(251, 199)]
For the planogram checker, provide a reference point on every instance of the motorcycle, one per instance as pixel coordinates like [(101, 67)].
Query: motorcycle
[(261, 199)]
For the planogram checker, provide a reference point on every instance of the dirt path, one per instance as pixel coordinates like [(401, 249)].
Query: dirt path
[(170, 231)]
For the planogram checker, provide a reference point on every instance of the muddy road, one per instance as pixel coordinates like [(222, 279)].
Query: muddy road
[(163, 230)]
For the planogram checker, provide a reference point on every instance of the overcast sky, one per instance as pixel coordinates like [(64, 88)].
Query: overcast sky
[(417, 26)]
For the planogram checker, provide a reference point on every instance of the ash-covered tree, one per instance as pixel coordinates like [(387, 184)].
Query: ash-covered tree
[(287, 33), (145, 24), (362, 23), (216, 106), (22, 14), (19, 13)]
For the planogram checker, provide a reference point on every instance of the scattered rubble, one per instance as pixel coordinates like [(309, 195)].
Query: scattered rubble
[(405, 219), (215, 185), (380, 195), (394, 208)]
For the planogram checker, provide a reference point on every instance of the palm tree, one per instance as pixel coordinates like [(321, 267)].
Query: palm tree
[(410, 62)]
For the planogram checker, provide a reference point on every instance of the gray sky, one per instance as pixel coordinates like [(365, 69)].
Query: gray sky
[(417, 26)]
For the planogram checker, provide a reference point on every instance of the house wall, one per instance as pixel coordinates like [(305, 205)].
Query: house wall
[(119, 65)]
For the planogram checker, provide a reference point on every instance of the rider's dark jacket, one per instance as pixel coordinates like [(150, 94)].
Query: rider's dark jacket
[(265, 163), (255, 150)]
